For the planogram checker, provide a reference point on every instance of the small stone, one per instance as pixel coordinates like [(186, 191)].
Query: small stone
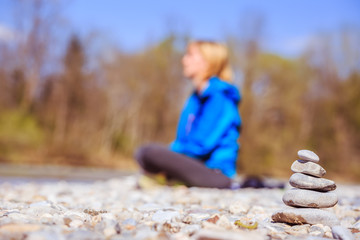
[(187, 219), (109, 231), (229, 235), (197, 217), (40, 204), (224, 222), (347, 222), (239, 207), (13, 228), (170, 228), (142, 234), (309, 168), (276, 227), (312, 238), (93, 212), (19, 217), (306, 198), (308, 155), (356, 225), (94, 220), (341, 233), (5, 213), (76, 223), (46, 218), (109, 226), (191, 229), (129, 221), (316, 230), (327, 232), (355, 232), (298, 230), (305, 215), (130, 227), (44, 235), (75, 215), (303, 181), (84, 234), (148, 207), (164, 216), (213, 219)]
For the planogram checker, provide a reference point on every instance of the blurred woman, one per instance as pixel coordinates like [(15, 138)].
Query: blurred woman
[(205, 150)]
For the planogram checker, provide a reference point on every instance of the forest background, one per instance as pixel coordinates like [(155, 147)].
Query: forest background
[(65, 101)]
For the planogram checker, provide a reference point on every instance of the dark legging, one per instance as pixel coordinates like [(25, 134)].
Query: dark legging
[(155, 158)]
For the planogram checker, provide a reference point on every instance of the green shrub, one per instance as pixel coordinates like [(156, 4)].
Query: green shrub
[(19, 129)]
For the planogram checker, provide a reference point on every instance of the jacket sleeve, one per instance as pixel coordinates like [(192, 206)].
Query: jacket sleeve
[(177, 145), (217, 117)]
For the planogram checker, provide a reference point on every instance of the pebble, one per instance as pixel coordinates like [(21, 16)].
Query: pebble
[(339, 232), (347, 221), (224, 222), (20, 228), (76, 223), (309, 168), (129, 221), (305, 238), (142, 234), (191, 229), (148, 207), (40, 204), (327, 232), (305, 215), (165, 216), (99, 210), (317, 230), (312, 199), (84, 234), (308, 155), (228, 235), (46, 218), (299, 180), (46, 234), (19, 217), (356, 225), (298, 230), (198, 217), (239, 207)]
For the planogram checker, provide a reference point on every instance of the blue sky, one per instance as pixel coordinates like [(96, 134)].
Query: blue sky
[(288, 25)]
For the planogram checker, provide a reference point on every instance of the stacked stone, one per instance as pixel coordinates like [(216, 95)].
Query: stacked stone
[(311, 191)]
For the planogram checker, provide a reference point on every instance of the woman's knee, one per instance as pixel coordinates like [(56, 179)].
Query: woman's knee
[(140, 154), (144, 153)]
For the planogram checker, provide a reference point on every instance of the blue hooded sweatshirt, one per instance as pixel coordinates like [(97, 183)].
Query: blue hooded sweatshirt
[(209, 127)]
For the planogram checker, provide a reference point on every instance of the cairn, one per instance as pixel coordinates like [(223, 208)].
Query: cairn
[(311, 192)]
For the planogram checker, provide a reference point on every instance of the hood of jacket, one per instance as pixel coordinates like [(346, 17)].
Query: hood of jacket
[(217, 85)]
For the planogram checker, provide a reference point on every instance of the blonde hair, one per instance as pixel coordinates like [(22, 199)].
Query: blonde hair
[(217, 56)]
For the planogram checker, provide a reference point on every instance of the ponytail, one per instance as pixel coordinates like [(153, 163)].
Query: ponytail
[(217, 57)]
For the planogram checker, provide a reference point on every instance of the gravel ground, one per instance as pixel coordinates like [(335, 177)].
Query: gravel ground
[(118, 209)]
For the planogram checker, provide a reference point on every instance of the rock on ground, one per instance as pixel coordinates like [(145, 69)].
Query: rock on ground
[(306, 167), (342, 233), (302, 181), (117, 209), (308, 198), (304, 216)]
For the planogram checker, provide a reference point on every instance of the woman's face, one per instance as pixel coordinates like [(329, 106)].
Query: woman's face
[(194, 64)]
